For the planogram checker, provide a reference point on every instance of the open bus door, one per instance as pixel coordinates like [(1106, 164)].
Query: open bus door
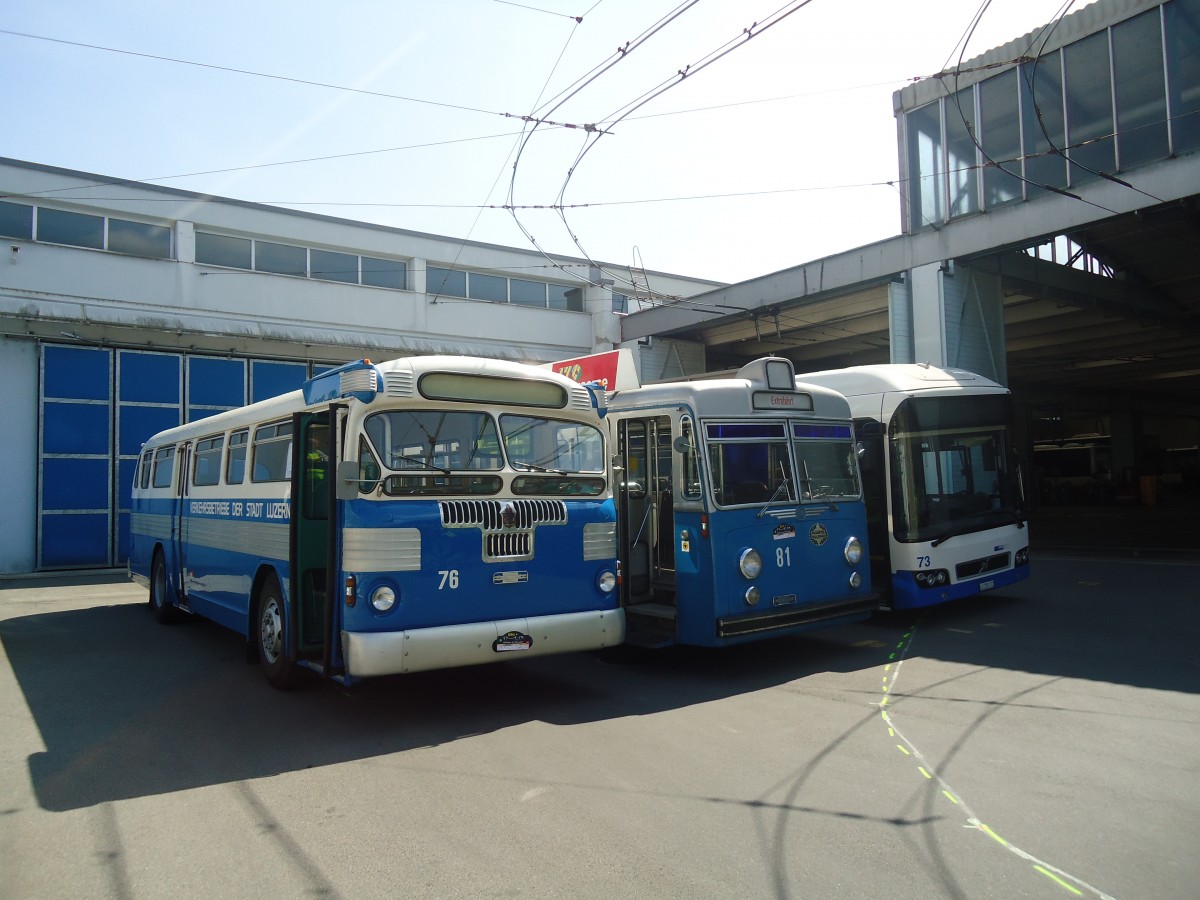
[(313, 540), (180, 522), (647, 533)]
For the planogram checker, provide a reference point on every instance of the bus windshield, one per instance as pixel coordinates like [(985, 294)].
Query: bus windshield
[(449, 452), (538, 444), (750, 462), (825, 456), (953, 469), (435, 441)]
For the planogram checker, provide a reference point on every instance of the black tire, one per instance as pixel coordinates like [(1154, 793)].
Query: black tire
[(270, 637), (160, 603)]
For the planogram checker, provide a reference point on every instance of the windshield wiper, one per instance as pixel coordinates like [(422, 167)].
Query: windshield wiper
[(976, 525), (534, 467), (783, 483), (413, 462)]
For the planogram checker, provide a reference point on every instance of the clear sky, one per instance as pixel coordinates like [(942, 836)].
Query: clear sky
[(408, 113)]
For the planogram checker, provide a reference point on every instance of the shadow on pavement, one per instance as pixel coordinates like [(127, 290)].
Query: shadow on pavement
[(127, 707)]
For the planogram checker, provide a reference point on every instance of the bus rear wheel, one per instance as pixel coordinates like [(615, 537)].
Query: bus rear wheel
[(269, 636), (160, 604)]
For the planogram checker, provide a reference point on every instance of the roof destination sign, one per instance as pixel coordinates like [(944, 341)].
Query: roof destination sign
[(783, 400)]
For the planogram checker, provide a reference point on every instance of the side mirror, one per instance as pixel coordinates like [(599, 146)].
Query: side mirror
[(348, 480), (681, 445)]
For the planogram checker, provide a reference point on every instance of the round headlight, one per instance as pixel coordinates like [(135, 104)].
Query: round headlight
[(383, 598), (752, 596), (750, 563), (606, 582), (853, 551), (855, 579)]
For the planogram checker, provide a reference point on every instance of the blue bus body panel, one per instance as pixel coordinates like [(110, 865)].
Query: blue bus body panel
[(224, 543), (803, 568), (907, 594), (442, 578)]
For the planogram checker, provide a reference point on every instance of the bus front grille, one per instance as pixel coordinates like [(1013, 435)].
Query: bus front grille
[(507, 545), (981, 566), (494, 515)]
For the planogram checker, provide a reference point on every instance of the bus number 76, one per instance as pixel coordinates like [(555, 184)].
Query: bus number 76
[(449, 578)]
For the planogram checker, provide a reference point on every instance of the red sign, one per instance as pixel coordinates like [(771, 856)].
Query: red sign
[(613, 370)]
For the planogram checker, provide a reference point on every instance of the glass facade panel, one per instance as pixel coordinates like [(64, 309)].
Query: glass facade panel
[(281, 259), (1089, 108), (563, 297), (1042, 122), (1000, 136), (962, 168), (925, 176), (139, 239), (1141, 90), (445, 282), (57, 226), (527, 293), (1182, 26), (330, 266), (16, 220), (221, 250), (492, 288), (386, 273)]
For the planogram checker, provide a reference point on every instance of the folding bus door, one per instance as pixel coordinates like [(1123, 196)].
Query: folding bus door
[(313, 529)]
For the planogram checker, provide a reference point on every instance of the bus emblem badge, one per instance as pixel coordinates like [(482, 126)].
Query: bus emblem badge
[(818, 534), (508, 515), (512, 640)]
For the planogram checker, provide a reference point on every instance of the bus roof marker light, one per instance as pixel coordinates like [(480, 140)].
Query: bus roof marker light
[(360, 380), (598, 396)]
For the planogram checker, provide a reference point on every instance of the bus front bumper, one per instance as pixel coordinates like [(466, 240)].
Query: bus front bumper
[(369, 654)]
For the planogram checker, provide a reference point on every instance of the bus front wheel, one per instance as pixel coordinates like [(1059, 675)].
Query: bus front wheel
[(269, 634), (161, 606)]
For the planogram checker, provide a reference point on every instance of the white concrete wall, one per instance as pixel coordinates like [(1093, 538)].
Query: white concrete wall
[(18, 455)]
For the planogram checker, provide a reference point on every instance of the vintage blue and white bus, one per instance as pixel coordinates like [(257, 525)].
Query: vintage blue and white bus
[(943, 485), (417, 514), (740, 508)]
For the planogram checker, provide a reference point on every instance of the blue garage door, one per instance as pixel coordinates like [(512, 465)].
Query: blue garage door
[(270, 379), (97, 408), (75, 474), (149, 399)]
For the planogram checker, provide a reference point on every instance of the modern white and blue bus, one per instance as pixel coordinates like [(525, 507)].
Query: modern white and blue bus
[(417, 514), (740, 507), (944, 491)]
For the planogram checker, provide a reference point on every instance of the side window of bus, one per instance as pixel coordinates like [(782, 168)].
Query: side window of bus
[(164, 467), (690, 469), (207, 466), (235, 461), (368, 467), (144, 474), (272, 455)]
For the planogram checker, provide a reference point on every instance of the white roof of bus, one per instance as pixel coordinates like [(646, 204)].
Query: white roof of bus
[(722, 397), (905, 377), (293, 401)]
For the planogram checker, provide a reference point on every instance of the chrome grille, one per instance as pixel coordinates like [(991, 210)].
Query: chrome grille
[(398, 384), (507, 545), (489, 514)]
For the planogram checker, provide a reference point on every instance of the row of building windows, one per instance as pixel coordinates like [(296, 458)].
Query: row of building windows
[(56, 226), (1112, 101), (442, 282), (289, 259), (59, 226)]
